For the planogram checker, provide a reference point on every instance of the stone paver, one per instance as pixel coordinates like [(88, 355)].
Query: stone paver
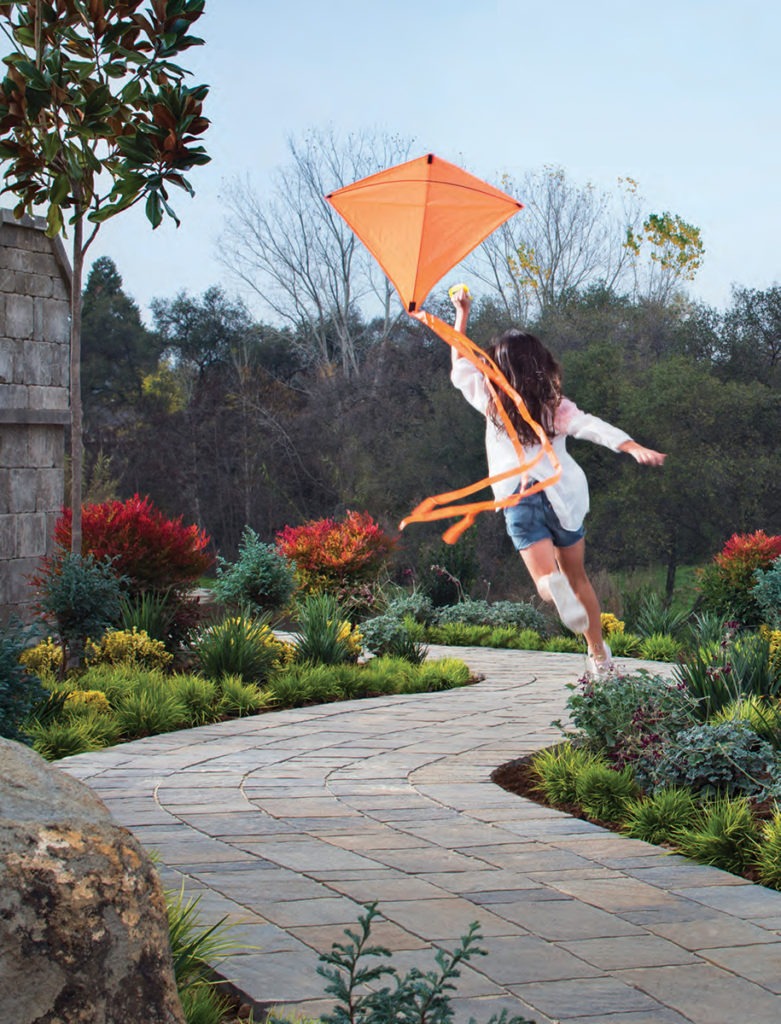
[(289, 823)]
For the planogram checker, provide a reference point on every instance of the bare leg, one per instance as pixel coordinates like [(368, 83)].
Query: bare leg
[(553, 585), (571, 561), (540, 559)]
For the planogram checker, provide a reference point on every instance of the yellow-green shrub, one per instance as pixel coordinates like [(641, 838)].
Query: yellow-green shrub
[(611, 624), (94, 699), (45, 659), (122, 646)]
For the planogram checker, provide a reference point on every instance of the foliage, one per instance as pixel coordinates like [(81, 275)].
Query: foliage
[(449, 571), (564, 645), (93, 699), (604, 792), (239, 645), (302, 684), (719, 674), (127, 645), (557, 770), (239, 698), (761, 713), (323, 635), (261, 579), (767, 593), (727, 584), (80, 594), (628, 716), (415, 604), (154, 612), (625, 645), (725, 835), (20, 688), (659, 817), (773, 638), (387, 634), (44, 659), (201, 697), (418, 997), (195, 949), (71, 735), (331, 555), (706, 629), (660, 647), (768, 852), (150, 709), (611, 624), (501, 613), (654, 616), (154, 552), (727, 759)]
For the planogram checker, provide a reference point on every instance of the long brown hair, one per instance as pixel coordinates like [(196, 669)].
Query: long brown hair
[(535, 374)]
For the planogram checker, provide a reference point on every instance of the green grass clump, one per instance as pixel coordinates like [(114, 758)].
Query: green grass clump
[(658, 818), (604, 792), (660, 647), (238, 698), (725, 835), (768, 854), (556, 770)]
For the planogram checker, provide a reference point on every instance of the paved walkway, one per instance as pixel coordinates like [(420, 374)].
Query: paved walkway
[(289, 822)]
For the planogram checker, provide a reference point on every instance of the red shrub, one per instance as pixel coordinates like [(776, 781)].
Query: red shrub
[(727, 584), (154, 552), (749, 551), (331, 555)]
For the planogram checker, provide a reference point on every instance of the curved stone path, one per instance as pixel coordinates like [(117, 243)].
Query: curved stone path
[(289, 822)]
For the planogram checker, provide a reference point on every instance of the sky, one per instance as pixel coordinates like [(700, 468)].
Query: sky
[(681, 95)]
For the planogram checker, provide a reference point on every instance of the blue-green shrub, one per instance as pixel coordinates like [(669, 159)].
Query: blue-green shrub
[(767, 592), (260, 580), (501, 613), (727, 759), (20, 690)]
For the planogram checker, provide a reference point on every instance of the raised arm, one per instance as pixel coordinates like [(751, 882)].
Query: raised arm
[(462, 300)]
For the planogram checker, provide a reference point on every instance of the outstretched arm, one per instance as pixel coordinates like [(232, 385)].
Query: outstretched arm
[(645, 456)]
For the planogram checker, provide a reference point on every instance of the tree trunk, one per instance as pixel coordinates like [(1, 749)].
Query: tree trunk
[(77, 447), (672, 565)]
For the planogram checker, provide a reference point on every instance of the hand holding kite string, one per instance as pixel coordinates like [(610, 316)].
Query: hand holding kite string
[(419, 219)]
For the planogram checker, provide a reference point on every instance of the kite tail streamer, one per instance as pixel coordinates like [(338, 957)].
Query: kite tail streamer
[(442, 506)]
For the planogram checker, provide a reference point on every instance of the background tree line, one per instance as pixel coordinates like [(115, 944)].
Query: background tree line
[(343, 402)]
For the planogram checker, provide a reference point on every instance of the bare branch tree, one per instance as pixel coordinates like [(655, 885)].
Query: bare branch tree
[(568, 237), (301, 259)]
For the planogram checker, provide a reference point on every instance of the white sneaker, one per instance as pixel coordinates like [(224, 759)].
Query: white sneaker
[(600, 668), (571, 611)]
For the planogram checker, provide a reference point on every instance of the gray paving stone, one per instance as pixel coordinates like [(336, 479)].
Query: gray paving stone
[(761, 964), (600, 997), (711, 932), (559, 920), (637, 951), (746, 900), (706, 993), (445, 918)]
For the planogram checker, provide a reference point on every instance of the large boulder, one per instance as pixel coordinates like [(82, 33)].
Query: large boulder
[(83, 930)]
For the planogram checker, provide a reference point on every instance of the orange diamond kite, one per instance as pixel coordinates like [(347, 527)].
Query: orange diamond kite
[(420, 218)]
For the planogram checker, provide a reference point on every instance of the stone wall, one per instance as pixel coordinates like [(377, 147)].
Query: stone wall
[(34, 355)]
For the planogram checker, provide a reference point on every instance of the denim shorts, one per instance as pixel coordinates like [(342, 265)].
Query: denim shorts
[(533, 519)]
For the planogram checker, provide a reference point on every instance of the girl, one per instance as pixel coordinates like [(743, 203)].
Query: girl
[(546, 528)]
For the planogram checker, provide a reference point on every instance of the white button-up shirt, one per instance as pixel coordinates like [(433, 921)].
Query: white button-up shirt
[(569, 495)]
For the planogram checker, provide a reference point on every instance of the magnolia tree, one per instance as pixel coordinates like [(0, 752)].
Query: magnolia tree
[(95, 117)]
